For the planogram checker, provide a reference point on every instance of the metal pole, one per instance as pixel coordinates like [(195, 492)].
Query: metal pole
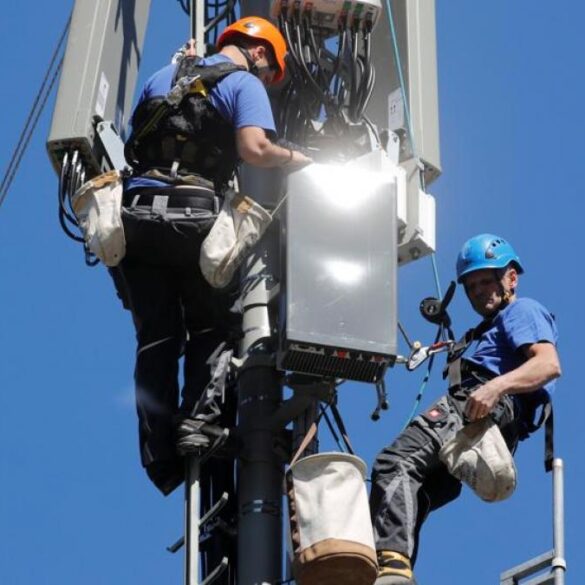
[(558, 563), (260, 469), (192, 512), (197, 24)]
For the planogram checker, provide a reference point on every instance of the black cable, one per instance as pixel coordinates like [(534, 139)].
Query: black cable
[(353, 70), (34, 115), (403, 332), (23, 145), (315, 50), (307, 90), (285, 102), (71, 178), (361, 87), (297, 81), (337, 68), (366, 62), (219, 17), (184, 6), (63, 215), (343, 74), (331, 428), (371, 73), (313, 85), (284, 27), (370, 90)]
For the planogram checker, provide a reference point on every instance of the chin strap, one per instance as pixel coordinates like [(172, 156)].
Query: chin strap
[(252, 67), (505, 294)]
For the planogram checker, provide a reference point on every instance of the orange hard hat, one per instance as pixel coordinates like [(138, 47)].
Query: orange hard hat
[(255, 27)]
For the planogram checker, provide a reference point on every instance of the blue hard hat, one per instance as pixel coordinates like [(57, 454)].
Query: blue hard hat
[(486, 251)]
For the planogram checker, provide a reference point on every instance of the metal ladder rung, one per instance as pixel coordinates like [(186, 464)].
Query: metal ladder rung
[(206, 518), (548, 579), (528, 568), (217, 572)]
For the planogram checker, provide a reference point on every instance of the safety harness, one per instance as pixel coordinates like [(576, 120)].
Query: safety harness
[(182, 133), (527, 405)]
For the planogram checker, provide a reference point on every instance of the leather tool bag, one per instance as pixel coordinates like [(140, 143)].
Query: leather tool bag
[(331, 530), (97, 205)]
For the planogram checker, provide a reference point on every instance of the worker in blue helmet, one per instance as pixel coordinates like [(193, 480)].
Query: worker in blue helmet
[(486, 251), (508, 373)]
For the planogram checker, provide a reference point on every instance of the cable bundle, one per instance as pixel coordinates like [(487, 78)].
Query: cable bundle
[(329, 90)]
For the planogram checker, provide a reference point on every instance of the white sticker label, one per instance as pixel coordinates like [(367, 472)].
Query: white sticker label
[(395, 110), (102, 96)]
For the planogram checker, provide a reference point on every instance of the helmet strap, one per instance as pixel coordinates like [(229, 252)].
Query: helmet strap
[(505, 294), (252, 67)]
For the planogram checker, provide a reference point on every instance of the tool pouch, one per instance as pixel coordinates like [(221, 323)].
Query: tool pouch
[(331, 530), (479, 456), (239, 225), (97, 204)]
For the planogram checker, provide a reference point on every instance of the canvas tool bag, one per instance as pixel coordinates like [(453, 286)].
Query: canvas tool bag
[(240, 224), (331, 530), (478, 456), (97, 204)]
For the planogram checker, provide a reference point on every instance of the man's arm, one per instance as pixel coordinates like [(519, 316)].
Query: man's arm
[(255, 148), (542, 366)]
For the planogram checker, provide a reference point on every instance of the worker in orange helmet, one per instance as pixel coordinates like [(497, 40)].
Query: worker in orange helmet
[(183, 162)]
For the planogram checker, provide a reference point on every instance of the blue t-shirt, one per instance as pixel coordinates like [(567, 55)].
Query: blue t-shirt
[(523, 322), (240, 98)]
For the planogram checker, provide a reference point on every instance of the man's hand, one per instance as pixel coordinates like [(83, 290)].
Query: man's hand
[(297, 160), (483, 400)]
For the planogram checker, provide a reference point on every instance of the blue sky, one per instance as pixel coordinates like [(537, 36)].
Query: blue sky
[(74, 503)]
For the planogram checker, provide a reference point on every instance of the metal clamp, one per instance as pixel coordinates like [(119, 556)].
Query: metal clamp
[(420, 354)]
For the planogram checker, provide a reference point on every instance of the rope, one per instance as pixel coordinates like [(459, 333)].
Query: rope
[(33, 116), (398, 62), (436, 274), (400, 76), (422, 182)]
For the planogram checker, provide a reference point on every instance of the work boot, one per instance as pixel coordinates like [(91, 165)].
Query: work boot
[(394, 569), (190, 436), (198, 437)]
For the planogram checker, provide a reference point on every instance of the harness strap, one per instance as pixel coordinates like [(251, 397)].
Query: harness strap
[(546, 418), (453, 368), (549, 439), (454, 372), (199, 80), (305, 442)]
